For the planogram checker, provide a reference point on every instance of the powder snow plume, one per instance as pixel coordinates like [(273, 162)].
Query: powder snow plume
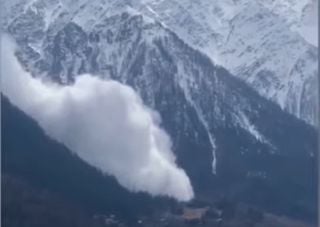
[(104, 122)]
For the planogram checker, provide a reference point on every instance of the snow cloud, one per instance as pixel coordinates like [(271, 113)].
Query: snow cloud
[(104, 122)]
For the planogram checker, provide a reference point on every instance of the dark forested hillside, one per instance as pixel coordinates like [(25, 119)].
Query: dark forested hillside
[(36, 170), (26, 205)]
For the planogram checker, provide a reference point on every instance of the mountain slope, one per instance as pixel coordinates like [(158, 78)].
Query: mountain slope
[(256, 40), (29, 200), (33, 160), (276, 61), (301, 16), (24, 204), (218, 124)]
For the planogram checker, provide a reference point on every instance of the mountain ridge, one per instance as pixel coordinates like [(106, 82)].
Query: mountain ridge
[(277, 61)]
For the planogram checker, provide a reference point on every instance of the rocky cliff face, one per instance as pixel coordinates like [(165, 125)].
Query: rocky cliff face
[(268, 44)]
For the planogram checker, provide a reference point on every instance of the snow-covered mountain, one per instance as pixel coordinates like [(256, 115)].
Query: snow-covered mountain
[(302, 16), (270, 44), (218, 123), (265, 43)]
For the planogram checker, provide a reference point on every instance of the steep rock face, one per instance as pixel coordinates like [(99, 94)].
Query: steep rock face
[(261, 42), (217, 123), (270, 44), (301, 16), (266, 43)]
